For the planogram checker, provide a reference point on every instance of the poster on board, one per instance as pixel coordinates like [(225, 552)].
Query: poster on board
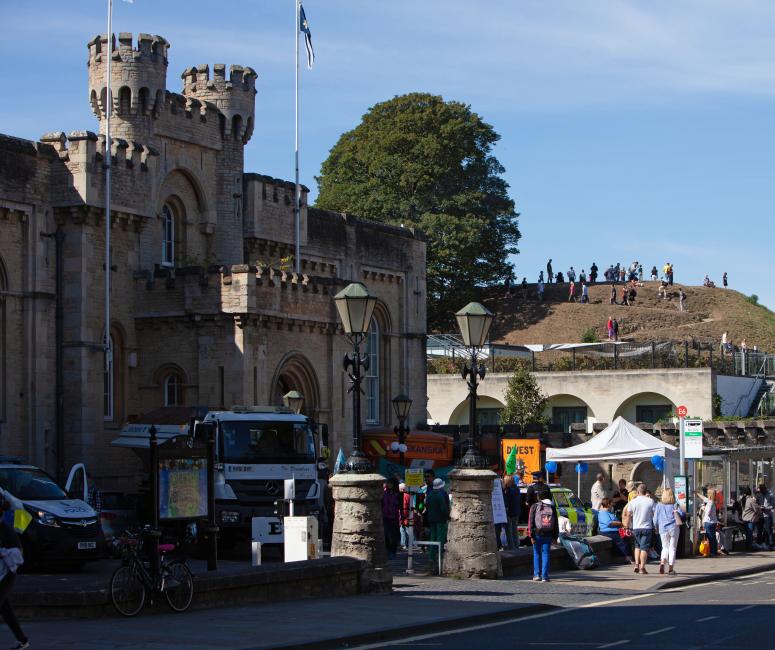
[(182, 488), (498, 504)]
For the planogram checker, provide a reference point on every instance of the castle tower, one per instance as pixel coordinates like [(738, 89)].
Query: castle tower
[(235, 100), (138, 83)]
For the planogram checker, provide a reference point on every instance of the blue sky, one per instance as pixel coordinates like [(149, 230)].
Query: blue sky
[(629, 129)]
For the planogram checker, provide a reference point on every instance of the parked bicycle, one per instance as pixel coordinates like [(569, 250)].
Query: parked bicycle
[(133, 581)]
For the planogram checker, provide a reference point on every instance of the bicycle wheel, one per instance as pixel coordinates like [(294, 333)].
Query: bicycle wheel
[(127, 592), (178, 586)]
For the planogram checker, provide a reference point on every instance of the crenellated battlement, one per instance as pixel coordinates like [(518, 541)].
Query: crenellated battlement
[(234, 97), (150, 47)]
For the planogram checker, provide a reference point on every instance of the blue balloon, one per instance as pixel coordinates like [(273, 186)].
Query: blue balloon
[(582, 468), (551, 466), (658, 462)]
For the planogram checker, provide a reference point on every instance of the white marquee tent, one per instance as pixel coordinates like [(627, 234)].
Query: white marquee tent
[(618, 442)]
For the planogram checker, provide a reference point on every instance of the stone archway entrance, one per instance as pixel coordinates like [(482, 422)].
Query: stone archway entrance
[(295, 372)]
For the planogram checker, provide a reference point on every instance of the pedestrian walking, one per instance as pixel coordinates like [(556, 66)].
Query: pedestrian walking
[(609, 525), (406, 515), (710, 519), (572, 291), (597, 494), (584, 293), (542, 528), (610, 327), (724, 280), (538, 490), (437, 507), (625, 299), (549, 274), (571, 275), (654, 274), (613, 293), (668, 518), (640, 272), (10, 560), (540, 290), (681, 300), (641, 510), (391, 515), (616, 329), (662, 292), (511, 498), (524, 288), (593, 273), (582, 276), (670, 274)]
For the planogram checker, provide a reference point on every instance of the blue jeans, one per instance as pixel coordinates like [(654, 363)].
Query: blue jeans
[(541, 547), (750, 528), (710, 533)]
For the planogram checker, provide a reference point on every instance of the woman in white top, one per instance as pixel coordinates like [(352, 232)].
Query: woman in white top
[(709, 519)]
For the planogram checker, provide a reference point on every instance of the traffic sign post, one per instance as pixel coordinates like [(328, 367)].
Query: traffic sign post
[(682, 412), (692, 434)]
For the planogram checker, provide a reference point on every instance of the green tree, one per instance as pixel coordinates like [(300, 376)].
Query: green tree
[(525, 402), (420, 161)]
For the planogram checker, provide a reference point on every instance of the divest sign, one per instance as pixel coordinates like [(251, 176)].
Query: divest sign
[(692, 438), (528, 450)]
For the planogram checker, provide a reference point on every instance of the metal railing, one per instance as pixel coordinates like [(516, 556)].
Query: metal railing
[(445, 354)]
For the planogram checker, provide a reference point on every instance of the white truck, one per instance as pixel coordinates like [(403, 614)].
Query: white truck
[(257, 448)]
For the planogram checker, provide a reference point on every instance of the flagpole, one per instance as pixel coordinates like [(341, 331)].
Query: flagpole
[(108, 161), (297, 195)]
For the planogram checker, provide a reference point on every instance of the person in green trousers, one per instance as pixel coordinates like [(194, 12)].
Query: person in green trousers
[(437, 509)]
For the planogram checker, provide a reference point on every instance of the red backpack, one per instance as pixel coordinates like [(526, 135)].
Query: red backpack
[(544, 519)]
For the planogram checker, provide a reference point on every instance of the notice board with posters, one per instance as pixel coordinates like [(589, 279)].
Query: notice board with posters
[(182, 488), (528, 451)]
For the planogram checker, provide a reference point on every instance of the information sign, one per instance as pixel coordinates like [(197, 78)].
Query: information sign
[(680, 491), (682, 411), (692, 438), (528, 451), (498, 504), (413, 477)]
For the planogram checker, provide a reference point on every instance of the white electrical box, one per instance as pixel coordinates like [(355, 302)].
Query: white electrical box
[(301, 538)]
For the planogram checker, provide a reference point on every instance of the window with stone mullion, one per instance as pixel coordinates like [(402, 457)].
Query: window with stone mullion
[(372, 375)]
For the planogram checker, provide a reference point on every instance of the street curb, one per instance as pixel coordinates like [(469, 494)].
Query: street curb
[(723, 575), (390, 634)]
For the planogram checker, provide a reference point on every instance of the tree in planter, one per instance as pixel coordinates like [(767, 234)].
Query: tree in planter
[(525, 402)]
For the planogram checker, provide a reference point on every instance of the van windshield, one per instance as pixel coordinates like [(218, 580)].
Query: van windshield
[(30, 484), (266, 442)]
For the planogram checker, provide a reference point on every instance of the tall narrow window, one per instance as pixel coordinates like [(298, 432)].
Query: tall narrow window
[(108, 383), (173, 390), (372, 374), (3, 384), (168, 237)]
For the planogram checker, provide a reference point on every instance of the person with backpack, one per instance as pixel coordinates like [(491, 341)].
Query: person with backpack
[(10, 560), (538, 490), (542, 528), (437, 511), (668, 518), (641, 513)]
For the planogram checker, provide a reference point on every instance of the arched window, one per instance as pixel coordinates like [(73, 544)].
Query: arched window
[(372, 374), (173, 389), (109, 383), (168, 236)]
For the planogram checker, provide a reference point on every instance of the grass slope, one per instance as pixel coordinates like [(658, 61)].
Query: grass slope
[(710, 312)]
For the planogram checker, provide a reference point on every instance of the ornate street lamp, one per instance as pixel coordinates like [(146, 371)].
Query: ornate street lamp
[(294, 400), (474, 321), (355, 306), (401, 406)]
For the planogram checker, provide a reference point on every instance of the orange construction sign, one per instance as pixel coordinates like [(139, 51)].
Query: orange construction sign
[(528, 451)]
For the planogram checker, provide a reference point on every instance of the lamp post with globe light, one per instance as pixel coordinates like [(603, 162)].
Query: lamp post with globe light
[(471, 549), (294, 400), (357, 488), (401, 407)]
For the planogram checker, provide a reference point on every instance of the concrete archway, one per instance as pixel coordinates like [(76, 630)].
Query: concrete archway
[(645, 407), (484, 403), (645, 472), (295, 372), (564, 409)]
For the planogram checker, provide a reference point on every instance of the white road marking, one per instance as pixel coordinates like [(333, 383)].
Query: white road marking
[(615, 643), (707, 618), (664, 629), (742, 609)]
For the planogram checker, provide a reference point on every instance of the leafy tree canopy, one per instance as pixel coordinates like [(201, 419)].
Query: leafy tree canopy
[(525, 402), (421, 161)]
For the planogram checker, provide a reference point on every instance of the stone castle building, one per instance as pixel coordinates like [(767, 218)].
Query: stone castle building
[(205, 307)]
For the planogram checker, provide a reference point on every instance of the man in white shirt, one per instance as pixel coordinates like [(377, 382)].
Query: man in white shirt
[(598, 492), (641, 510)]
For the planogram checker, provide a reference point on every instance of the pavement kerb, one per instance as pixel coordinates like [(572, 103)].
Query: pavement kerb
[(438, 625), (713, 577)]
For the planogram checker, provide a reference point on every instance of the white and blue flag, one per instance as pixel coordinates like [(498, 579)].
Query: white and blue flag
[(304, 28), (340, 461)]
